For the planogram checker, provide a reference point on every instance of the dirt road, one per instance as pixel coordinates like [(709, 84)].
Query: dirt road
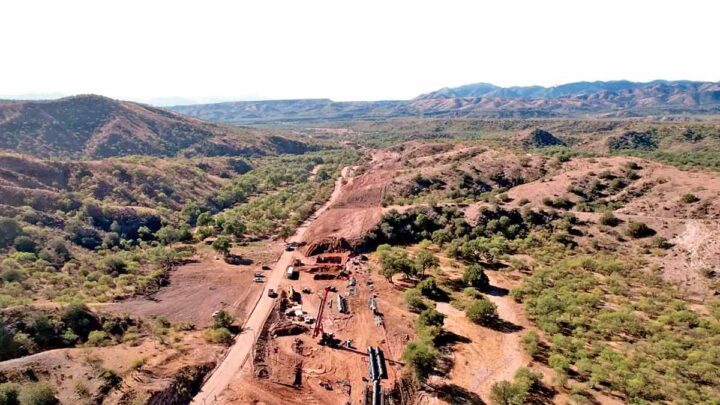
[(244, 342)]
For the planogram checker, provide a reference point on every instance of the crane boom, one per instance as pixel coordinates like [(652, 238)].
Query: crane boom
[(318, 322)]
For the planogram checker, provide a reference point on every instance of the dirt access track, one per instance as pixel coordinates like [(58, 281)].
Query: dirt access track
[(244, 343), (357, 208)]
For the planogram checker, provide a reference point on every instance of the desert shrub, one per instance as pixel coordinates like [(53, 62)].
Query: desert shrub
[(9, 230), (9, 394), (517, 391), (97, 338), (218, 336), (430, 318), (222, 319), (507, 393), (609, 219), (660, 243), (80, 320), (639, 230), (137, 364), (11, 274), (482, 312), (523, 201), (689, 198), (475, 276), (420, 358), (430, 289), (37, 394), (25, 244), (531, 341), (472, 292), (114, 265), (414, 300)]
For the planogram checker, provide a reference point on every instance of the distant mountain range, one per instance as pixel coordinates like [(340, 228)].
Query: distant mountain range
[(482, 100), (92, 127)]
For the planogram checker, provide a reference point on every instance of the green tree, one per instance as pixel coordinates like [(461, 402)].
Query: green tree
[(482, 312), (394, 260), (205, 219), (222, 245), (425, 260), (430, 289), (414, 300), (234, 226), (191, 211), (420, 358), (475, 276)]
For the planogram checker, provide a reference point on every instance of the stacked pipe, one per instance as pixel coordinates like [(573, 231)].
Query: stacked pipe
[(372, 365), (377, 396), (380, 361)]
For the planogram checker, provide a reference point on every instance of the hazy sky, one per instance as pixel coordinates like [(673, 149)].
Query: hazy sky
[(346, 49)]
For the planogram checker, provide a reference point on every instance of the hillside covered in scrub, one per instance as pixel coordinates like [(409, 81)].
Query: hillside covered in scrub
[(92, 126)]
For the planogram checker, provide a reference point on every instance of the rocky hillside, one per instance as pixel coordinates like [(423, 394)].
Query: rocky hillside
[(596, 99), (96, 127)]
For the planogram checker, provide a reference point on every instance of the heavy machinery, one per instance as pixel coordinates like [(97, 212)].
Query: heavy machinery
[(318, 323)]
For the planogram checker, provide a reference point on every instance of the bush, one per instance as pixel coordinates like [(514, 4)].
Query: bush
[(609, 219), (639, 230), (507, 393), (97, 338), (531, 341), (420, 358), (429, 288), (37, 394), (482, 312), (222, 245), (689, 198), (660, 243), (114, 265), (414, 300), (430, 318), (475, 276), (79, 319), (11, 275), (9, 229), (222, 319), (9, 393), (25, 244), (517, 391), (218, 336)]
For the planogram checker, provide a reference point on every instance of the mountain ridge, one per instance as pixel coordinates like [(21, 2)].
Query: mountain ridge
[(619, 98)]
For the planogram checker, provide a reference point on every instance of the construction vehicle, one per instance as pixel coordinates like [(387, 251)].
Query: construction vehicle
[(318, 324)]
